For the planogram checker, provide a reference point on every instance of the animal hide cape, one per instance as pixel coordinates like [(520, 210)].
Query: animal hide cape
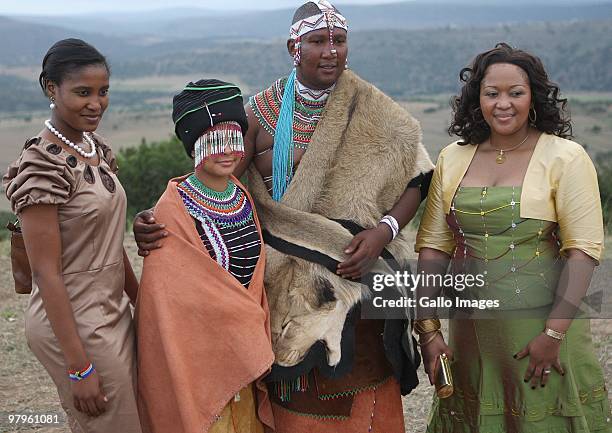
[(363, 153)]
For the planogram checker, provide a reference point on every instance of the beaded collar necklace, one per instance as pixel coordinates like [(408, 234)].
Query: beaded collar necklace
[(216, 210), (313, 95), (308, 110), (229, 208)]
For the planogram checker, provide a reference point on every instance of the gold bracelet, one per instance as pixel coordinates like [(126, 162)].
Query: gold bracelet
[(554, 334), (434, 334), (425, 326)]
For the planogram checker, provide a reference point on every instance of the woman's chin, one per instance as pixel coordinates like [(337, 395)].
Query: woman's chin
[(507, 128), (222, 171)]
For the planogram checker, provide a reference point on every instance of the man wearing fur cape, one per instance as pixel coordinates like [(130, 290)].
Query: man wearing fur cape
[(338, 169)]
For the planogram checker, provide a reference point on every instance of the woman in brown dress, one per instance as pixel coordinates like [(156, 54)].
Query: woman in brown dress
[(65, 191)]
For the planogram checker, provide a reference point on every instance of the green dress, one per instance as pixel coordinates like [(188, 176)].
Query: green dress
[(520, 263)]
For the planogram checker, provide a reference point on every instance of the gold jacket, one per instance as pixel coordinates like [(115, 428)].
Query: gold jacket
[(560, 185)]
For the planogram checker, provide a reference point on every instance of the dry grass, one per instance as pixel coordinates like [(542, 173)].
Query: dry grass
[(25, 386)]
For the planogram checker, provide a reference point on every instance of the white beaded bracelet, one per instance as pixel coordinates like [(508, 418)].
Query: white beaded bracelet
[(392, 223)]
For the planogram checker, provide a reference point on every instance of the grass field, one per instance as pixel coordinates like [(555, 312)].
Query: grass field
[(25, 386)]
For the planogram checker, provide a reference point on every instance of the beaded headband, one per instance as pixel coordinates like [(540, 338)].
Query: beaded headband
[(215, 139), (328, 18)]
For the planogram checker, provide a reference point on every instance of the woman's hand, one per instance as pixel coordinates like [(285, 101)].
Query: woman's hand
[(88, 396), (363, 251), (147, 232), (431, 352), (543, 352)]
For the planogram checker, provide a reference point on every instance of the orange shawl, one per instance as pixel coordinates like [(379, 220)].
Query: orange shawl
[(202, 336)]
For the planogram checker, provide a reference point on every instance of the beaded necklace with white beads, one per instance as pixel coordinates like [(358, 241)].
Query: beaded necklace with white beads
[(73, 145)]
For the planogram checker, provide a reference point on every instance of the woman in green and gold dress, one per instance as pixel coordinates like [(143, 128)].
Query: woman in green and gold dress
[(517, 203)]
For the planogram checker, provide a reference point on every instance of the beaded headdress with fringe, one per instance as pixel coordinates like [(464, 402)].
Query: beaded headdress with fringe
[(215, 140)]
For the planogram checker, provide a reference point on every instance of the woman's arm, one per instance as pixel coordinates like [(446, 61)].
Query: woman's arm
[(431, 262), (572, 288), (131, 282), (579, 216), (42, 239)]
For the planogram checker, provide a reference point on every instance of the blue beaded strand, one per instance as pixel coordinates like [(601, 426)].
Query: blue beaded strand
[(282, 158)]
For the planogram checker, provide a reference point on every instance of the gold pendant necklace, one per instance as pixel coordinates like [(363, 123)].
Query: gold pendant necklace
[(501, 156)]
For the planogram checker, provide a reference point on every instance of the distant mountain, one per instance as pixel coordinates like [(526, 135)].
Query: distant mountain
[(131, 23), (25, 44), (403, 63), (195, 22)]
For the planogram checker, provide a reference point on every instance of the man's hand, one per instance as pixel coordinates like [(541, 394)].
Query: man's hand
[(147, 232), (363, 251)]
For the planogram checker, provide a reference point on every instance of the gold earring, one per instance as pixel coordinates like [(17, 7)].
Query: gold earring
[(535, 116)]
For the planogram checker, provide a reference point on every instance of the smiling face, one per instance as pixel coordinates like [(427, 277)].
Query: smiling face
[(319, 66), (220, 165), (80, 99), (505, 99)]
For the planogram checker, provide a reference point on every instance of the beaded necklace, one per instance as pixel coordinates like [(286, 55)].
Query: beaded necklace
[(216, 210), (307, 112), (313, 94)]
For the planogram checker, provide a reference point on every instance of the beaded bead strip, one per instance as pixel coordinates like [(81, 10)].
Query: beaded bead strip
[(330, 17), (78, 375), (286, 387), (214, 141)]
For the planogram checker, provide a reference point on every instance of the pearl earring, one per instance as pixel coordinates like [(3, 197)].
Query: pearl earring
[(52, 104)]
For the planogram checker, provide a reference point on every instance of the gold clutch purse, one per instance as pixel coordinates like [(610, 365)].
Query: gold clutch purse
[(444, 380)]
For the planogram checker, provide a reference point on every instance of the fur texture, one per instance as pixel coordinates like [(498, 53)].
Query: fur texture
[(363, 153)]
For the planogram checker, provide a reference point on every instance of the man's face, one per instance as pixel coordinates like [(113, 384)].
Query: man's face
[(319, 67)]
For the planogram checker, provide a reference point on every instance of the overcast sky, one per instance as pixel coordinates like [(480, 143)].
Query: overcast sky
[(63, 7)]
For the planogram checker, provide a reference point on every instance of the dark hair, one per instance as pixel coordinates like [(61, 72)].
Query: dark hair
[(67, 56), (468, 122)]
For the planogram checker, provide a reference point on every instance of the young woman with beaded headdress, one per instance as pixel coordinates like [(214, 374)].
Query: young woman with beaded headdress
[(71, 206), (202, 314)]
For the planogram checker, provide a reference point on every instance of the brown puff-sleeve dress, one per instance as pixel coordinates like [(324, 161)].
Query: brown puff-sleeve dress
[(91, 209)]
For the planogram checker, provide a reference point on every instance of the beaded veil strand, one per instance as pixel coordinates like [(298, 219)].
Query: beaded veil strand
[(215, 139)]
